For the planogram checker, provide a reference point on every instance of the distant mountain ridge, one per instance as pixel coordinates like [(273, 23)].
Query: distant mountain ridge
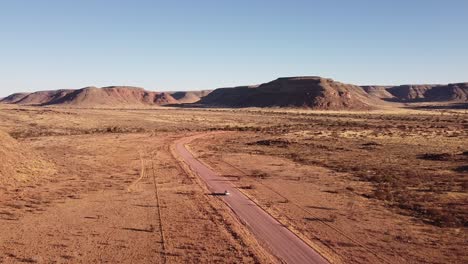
[(430, 93), (304, 92), (323, 93), (111, 96)]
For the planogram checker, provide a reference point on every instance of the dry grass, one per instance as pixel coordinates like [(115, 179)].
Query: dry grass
[(414, 162)]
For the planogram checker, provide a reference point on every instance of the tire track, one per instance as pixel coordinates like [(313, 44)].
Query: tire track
[(158, 200)]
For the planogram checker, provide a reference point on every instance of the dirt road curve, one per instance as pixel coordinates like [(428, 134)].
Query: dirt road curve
[(280, 241)]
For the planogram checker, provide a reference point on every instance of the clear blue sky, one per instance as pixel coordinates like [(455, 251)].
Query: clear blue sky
[(198, 44)]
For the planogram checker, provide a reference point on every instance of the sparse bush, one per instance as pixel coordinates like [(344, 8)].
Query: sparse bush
[(247, 187), (434, 156), (463, 168)]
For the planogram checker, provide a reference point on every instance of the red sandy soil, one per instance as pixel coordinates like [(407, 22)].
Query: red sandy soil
[(101, 206)]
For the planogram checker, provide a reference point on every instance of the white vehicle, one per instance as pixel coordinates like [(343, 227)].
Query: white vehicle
[(226, 192)]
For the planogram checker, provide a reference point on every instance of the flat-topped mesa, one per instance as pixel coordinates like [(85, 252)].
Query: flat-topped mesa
[(306, 91), (303, 78), (119, 87)]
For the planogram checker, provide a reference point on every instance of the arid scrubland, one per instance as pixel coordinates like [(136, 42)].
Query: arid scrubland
[(364, 186)]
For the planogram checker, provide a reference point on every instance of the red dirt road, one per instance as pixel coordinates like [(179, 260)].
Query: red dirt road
[(280, 241)]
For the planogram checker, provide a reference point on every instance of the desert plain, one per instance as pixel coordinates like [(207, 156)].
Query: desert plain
[(107, 185)]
